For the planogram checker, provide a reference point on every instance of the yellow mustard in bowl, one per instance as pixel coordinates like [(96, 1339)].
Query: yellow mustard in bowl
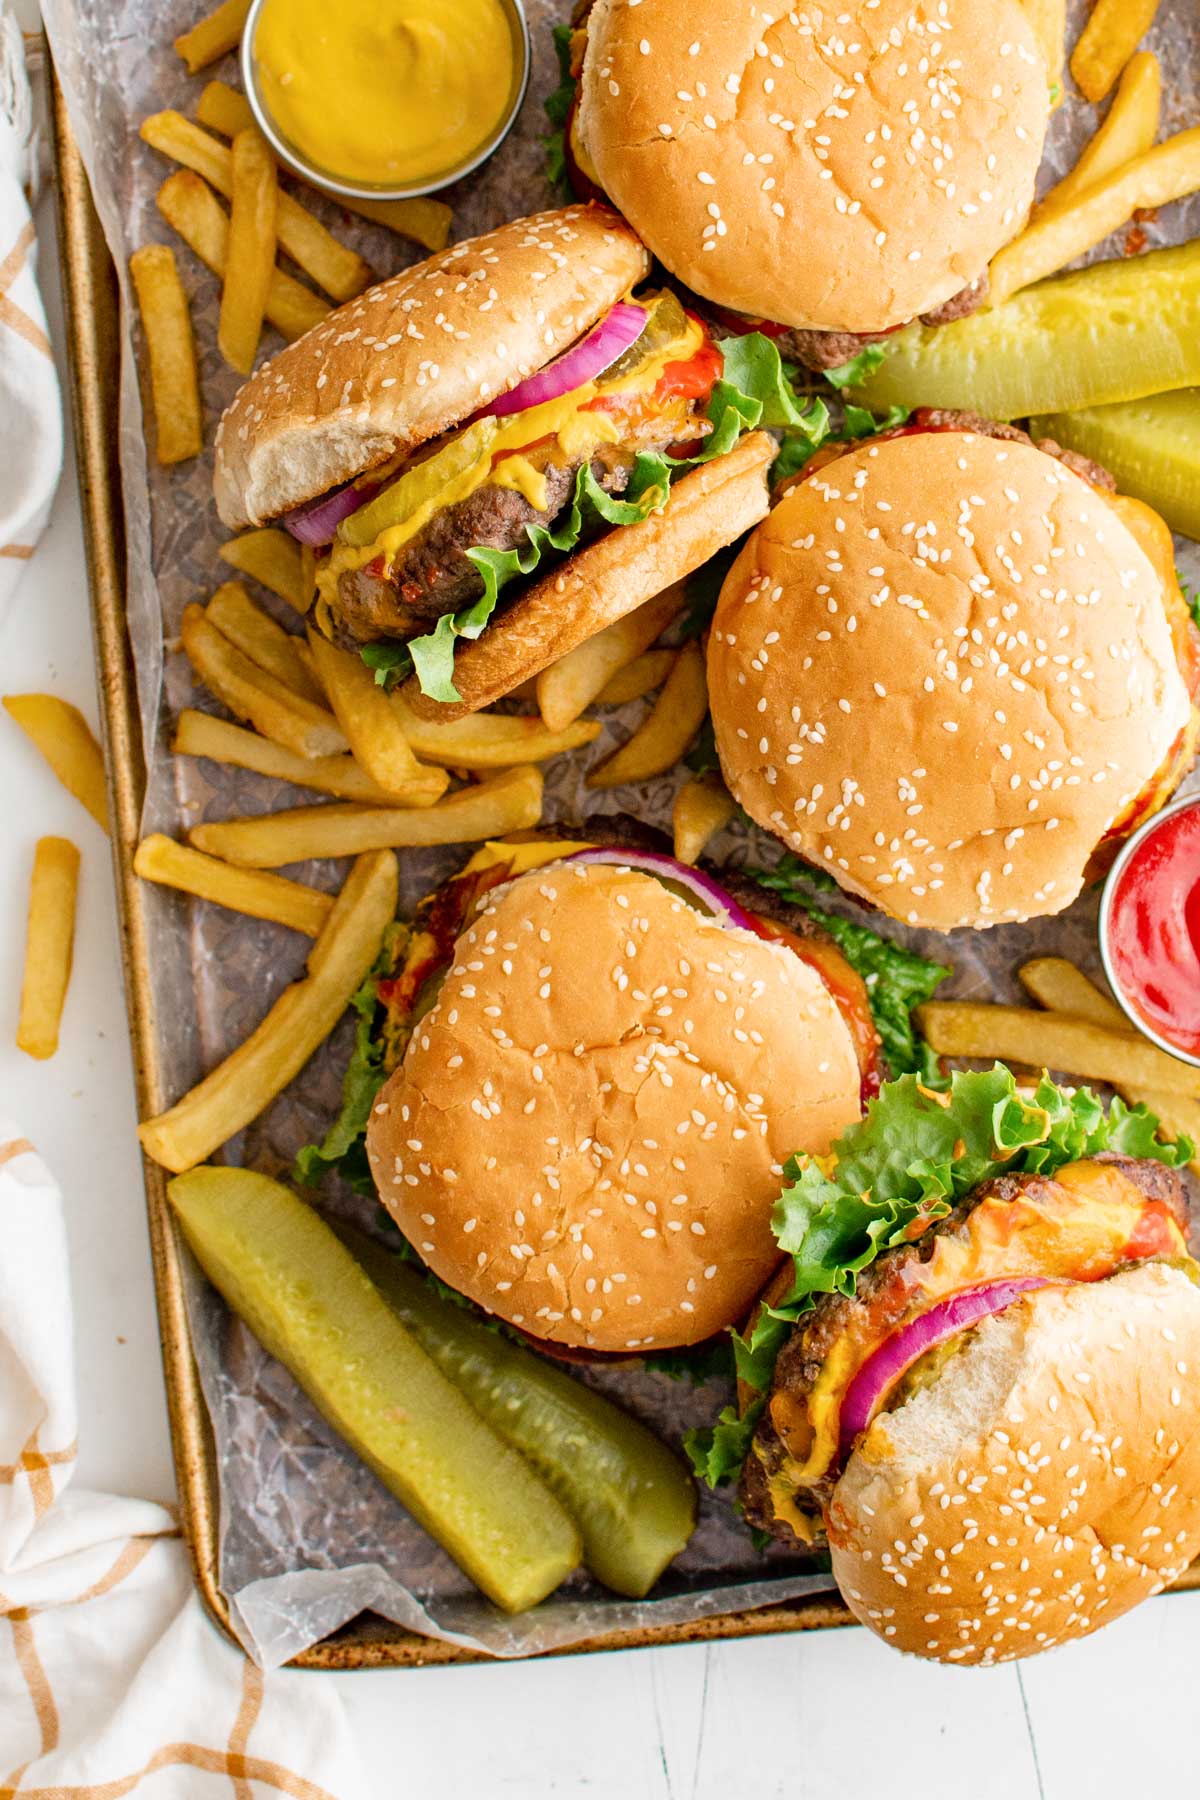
[(396, 95)]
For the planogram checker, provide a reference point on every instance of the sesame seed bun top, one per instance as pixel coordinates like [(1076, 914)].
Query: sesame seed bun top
[(416, 355), (839, 167), (586, 1134), (941, 668), (1042, 1485)]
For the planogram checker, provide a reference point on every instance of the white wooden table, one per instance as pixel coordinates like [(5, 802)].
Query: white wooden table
[(821, 1714)]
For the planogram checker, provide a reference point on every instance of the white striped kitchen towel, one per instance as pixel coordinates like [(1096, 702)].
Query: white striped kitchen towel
[(112, 1679), (31, 439)]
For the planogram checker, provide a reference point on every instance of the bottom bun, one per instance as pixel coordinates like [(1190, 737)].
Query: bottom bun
[(1041, 1486), (708, 508)]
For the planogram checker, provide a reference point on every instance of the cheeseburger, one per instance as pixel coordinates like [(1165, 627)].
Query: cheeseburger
[(498, 452), (954, 672), (823, 173), (589, 1064), (986, 1404)]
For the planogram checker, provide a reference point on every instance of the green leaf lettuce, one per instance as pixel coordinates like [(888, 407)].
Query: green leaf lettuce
[(343, 1148), (914, 1156), (556, 106), (856, 371), (753, 390)]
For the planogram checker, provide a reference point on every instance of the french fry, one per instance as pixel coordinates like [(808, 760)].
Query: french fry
[(366, 715), (509, 801), (1106, 43), (1060, 986), (486, 740), (262, 896), (213, 36), (48, 945), (570, 685), (661, 739), (171, 348), (250, 257), (1128, 131), (191, 208), (338, 270), (424, 220), (703, 807), (1167, 172), (644, 675), (201, 734), (241, 1087), (221, 108), (254, 695), (257, 636), (184, 142), (1053, 1041), (308, 576), (275, 560), (60, 731)]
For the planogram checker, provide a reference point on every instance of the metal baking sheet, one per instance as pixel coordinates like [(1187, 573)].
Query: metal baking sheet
[(276, 1565), (367, 1640)]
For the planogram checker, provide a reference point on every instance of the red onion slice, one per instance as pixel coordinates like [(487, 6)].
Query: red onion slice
[(316, 522), (708, 894), (884, 1367), (590, 357)]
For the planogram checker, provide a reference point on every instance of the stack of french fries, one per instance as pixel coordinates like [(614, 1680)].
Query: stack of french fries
[(312, 714), (1122, 171), (242, 246)]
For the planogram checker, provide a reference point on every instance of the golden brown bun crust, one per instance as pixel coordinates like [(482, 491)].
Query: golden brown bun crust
[(586, 1134), (1042, 1486), (419, 353), (942, 669), (846, 168), (709, 507)]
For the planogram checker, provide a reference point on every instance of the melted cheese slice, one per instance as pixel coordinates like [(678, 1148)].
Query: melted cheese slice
[(577, 432)]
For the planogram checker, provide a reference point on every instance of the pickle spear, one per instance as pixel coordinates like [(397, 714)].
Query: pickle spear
[(1151, 446), (634, 1502), (1115, 331), (303, 1295)]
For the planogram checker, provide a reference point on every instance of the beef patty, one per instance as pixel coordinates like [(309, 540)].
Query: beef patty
[(433, 574), (941, 418), (802, 1358), (830, 349), (945, 418)]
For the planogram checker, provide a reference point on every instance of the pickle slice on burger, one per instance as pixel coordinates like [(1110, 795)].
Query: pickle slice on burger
[(501, 450), (973, 1379)]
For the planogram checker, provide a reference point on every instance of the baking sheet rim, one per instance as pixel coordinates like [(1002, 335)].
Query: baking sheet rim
[(369, 1642)]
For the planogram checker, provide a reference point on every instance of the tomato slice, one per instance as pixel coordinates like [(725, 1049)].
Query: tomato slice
[(695, 378), (523, 449), (1155, 1234), (847, 989)]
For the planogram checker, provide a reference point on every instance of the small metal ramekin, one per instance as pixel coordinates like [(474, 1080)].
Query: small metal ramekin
[(1128, 851), (331, 183)]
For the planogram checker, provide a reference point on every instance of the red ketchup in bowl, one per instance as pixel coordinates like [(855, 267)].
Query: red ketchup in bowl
[(1151, 928)]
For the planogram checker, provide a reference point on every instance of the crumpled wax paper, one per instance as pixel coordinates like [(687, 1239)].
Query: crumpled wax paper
[(309, 1538)]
